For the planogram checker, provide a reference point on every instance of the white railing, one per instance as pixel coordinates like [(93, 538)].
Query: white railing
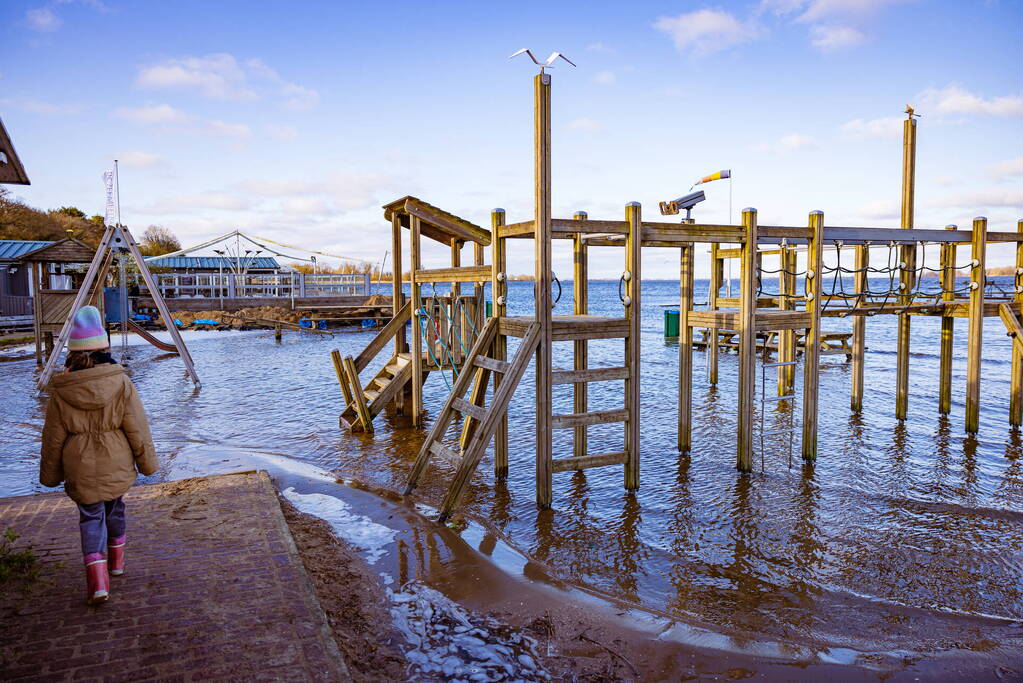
[(261, 285)]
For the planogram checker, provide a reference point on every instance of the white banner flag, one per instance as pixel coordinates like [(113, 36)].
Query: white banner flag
[(108, 182)]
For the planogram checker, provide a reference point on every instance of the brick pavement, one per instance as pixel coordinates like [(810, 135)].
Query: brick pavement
[(214, 589)]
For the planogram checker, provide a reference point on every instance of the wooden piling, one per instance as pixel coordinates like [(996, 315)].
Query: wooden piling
[(948, 281), (456, 330), (1016, 381), (975, 335), (812, 346), (633, 268), (908, 257), (859, 328), (786, 338), (716, 273), (580, 306), (416, 341), (685, 348), (499, 307), (397, 299), (747, 340), (543, 261)]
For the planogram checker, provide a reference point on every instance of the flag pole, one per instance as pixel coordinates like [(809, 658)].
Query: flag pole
[(728, 284)]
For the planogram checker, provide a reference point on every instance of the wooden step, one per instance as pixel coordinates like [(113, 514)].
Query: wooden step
[(470, 409), (591, 375), (584, 461), (370, 394), (445, 453), (584, 419), (491, 364)]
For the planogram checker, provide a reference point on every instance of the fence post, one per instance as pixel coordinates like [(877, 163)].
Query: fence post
[(812, 350), (975, 336)]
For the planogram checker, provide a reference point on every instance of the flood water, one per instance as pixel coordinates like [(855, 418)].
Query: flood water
[(903, 543)]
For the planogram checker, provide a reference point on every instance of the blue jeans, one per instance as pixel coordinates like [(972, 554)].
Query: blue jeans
[(98, 522)]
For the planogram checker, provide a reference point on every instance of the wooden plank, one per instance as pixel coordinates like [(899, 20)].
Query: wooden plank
[(811, 343), (522, 229), (377, 344), (747, 342), (685, 348), (339, 370), (544, 264), (397, 300), (975, 335), (477, 398), (907, 255), (786, 338), (584, 461), (572, 227), (580, 347), (578, 377), (633, 308), (462, 229), (466, 408), (595, 418), (499, 292), (947, 278), (365, 420), (717, 271), (1012, 326), (392, 387), (454, 274), (859, 330), (445, 453), (491, 364), (416, 302)]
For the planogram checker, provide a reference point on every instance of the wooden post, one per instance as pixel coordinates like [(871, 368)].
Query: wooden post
[(948, 281), (277, 333), (479, 310), (416, 341), (786, 338), (975, 338), (397, 300), (812, 350), (37, 310), (747, 341), (908, 257), (633, 312), (456, 330), (859, 328), (499, 290), (716, 272), (685, 348), (542, 246), (1016, 385), (580, 306)]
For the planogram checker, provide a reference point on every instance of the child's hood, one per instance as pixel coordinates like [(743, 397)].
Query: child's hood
[(90, 389)]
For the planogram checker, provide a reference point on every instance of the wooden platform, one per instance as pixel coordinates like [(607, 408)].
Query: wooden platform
[(569, 327), (765, 320)]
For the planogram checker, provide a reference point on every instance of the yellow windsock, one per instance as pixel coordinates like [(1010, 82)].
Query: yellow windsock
[(720, 175)]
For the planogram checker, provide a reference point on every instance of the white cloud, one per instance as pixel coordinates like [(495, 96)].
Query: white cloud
[(817, 10), (882, 209), (205, 201), (831, 38), (976, 200), (885, 127), (282, 132), (158, 113), (43, 19), (587, 125), (222, 76), (280, 188), (706, 31), (1009, 168), (38, 107), (220, 128), (599, 47), (137, 159), (605, 78), (957, 100), (787, 143)]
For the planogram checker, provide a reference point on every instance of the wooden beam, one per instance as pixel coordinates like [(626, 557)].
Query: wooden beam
[(1016, 371), (466, 232), (499, 292), (975, 336), (948, 281), (455, 274), (685, 347), (397, 300), (416, 304), (542, 286), (812, 346), (360, 400), (747, 342), (377, 344), (585, 461), (859, 329), (633, 360), (580, 306), (589, 375), (787, 259), (717, 270), (595, 418)]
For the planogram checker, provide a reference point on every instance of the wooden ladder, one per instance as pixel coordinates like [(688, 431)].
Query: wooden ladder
[(365, 403), (1011, 319), (481, 421)]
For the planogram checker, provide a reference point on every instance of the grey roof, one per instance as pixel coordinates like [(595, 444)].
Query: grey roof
[(214, 262), (12, 249)]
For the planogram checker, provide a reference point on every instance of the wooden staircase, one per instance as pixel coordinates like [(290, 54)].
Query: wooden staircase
[(481, 421)]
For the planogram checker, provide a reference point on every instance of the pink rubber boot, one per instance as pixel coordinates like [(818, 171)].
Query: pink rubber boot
[(96, 578), (115, 556)]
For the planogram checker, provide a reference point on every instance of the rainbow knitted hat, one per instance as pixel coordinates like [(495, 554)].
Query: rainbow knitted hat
[(87, 331)]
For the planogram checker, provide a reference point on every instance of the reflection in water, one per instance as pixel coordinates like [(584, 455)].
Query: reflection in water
[(901, 538)]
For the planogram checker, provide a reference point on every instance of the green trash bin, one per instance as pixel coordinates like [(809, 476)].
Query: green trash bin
[(490, 309), (670, 323)]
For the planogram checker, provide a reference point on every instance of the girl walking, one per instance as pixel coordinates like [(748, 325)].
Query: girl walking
[(94, 440)]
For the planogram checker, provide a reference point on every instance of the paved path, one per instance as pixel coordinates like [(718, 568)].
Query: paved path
[(213, 589)]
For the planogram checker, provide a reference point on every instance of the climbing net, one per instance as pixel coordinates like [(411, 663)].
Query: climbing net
[(441, 328), (893, 295)]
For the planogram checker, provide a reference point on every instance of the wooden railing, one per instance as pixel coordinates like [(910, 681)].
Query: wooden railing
[(15, 305)]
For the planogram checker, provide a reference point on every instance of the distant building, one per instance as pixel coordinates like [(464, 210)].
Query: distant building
[(218, 264), (15, 277)]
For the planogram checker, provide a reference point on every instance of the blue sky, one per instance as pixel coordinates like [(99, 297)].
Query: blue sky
[(296, 121)]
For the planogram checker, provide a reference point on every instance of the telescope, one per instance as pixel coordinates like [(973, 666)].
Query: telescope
[(686, 202)]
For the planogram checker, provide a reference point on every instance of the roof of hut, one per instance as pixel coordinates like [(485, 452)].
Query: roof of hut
[(13, 250), (67, 250), (435, 223)]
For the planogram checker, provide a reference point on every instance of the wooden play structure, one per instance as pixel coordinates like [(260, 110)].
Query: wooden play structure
[(836, 287), (116, 240)]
